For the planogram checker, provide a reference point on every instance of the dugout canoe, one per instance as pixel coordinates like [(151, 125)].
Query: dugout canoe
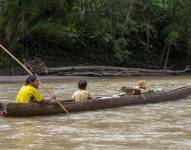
[(12, 109)]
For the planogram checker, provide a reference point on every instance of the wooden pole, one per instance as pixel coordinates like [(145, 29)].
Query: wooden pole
[(45, 88)]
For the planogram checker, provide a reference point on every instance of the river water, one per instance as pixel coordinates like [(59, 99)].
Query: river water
[(152, 126)]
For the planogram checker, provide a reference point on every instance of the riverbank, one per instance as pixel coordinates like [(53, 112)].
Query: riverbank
[(4, 79), (105, 71), (85, 72), (43, 78)]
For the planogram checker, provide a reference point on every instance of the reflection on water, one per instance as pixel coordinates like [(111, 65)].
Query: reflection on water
[(152, 126)]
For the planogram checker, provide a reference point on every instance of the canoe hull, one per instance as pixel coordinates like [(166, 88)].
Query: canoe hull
[(13, 109)]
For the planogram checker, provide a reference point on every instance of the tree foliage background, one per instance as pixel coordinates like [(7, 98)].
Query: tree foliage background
[(130, 33)]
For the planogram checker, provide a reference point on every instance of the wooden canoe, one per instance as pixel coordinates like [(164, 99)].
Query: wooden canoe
[(13, 109)]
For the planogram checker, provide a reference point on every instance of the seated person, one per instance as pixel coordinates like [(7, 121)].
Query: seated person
[(82, 93), (130, 90), (30, 93), (141, 86), (136, 90), (143, 89)]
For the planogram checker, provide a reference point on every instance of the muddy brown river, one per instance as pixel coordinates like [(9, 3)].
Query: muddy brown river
[(152, 126)]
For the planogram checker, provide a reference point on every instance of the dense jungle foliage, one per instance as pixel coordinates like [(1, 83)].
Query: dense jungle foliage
[(128, 33)]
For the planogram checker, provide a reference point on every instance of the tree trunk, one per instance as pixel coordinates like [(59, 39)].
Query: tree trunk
[(167, 55)]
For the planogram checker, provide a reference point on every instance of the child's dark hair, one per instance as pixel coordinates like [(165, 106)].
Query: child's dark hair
[(30, 78), (82, 84)]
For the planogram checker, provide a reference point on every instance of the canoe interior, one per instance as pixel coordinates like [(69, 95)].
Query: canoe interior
[(12, 109)]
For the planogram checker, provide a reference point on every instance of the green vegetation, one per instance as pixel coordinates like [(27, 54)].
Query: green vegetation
[(130, 33)]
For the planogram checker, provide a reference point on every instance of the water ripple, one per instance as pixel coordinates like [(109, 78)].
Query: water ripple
[(152, 126)]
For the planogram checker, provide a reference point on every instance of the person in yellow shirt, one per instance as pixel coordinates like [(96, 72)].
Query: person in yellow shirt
[(82, 93), (30, 93)]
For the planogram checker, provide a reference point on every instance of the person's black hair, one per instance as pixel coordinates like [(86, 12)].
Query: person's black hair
[(30, 78), (82, 84)]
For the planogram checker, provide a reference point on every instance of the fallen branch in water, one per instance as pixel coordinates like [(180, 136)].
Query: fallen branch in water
[(101, 71)]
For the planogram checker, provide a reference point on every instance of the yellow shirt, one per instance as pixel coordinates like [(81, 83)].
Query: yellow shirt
[(26, 92), (81, 95)]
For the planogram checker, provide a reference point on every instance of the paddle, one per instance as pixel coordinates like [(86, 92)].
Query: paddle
[(46, 89)]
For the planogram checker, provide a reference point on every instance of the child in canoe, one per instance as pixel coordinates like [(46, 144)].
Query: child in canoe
[(82, 93), (140, 88), (135, 90)]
